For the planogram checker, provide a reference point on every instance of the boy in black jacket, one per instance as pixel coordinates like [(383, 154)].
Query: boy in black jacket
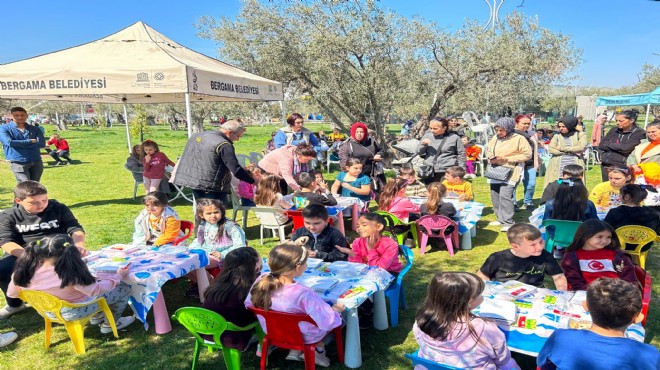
[(32, 218), (322, 238)]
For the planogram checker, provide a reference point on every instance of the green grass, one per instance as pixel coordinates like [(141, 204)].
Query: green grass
[(98, 190)]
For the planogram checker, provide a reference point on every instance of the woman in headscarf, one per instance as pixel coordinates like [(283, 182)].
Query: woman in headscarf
[(441, 148), (565, 148), (366, 150), (509, 151)]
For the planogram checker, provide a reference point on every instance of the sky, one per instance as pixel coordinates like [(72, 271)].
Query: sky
[(617, 36)]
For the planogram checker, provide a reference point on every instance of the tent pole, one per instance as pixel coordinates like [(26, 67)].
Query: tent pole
[(82, 115), (283, 108), (128, 132), (648, 110), (188, 115), (57, 120)]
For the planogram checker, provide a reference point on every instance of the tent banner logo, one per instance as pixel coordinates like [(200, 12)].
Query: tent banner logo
[(82, 83), (241, 89), (142, 77)]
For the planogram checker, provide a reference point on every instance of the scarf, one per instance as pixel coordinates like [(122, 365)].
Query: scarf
[(354, 128)]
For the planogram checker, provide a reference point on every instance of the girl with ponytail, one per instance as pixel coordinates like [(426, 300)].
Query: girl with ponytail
[(279, 291), (54, 265)]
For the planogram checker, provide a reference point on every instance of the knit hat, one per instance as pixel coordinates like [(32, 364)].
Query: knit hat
[(507, 123)]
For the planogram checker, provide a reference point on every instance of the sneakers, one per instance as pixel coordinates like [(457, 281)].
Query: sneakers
[(7, 338), (494, 223), (7, 311), (121, 323), (271, 349), (321, 359), (505, 228), (97, 319), (60, 163), (525, 207), (295, 355)]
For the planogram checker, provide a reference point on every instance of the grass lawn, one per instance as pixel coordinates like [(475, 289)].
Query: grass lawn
[(98, 190)]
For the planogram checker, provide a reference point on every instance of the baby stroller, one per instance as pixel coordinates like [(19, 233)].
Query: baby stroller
[(406, 155)]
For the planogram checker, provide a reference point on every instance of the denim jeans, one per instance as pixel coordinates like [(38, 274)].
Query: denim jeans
[(24, 171), (529, 185)]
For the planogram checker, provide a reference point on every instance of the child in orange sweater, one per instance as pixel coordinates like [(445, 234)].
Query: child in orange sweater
[(472, 152)]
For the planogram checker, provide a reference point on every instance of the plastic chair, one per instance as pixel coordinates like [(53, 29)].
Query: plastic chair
[(639, 235), (391, 228), (255, 157), (282, 331), (200, 321), (645, 280), (430, 365), (329, 161), (187, 227), (49, 307), (268, 220), (395, 291), (236, 206), (564, 233), (297, 218), (481, 161), (137, 181), (243, 159), (435, 226)]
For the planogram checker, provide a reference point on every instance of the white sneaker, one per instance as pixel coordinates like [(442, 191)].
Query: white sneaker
[(7, 338), (8, 311), (97, 319), (505, 228), (321, 359), (121, 323), (494, 223), (295, 355)]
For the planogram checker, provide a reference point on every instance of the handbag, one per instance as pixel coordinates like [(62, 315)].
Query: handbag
[(427, 171), (497, 172)]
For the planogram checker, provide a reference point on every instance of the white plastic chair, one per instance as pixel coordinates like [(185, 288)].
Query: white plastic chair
[(136, 182), (481, 161), (255, 157), (268, 218), (236, 206), (243, 159)]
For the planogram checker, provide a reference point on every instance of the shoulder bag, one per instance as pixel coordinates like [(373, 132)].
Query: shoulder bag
[(498, 172)]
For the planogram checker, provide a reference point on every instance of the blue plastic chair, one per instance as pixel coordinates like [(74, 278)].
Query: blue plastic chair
[(428, 364), (395, 291)]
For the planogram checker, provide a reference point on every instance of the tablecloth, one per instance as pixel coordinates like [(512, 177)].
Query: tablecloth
[(150, 270), (539, 313)]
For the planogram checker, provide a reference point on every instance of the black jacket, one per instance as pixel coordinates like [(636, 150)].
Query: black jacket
[(364, 151), (617, 145), (207, 163), (324, 243), (21, 227)]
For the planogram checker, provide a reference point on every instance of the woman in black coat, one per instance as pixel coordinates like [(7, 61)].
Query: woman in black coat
[(367, 151)]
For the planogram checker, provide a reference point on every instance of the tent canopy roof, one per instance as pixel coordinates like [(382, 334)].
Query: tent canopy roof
[(135, 65), (652, 98)]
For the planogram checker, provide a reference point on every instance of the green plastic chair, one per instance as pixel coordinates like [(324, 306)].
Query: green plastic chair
[(564, 233), (390, 228), (200, 321)]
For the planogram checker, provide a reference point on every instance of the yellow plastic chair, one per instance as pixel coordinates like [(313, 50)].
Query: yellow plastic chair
[(49, 307), (639, 236)]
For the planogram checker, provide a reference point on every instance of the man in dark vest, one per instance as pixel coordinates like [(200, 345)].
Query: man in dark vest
[(209, 160)]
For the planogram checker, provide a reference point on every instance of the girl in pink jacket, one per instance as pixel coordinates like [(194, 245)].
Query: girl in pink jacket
[(154, 162)]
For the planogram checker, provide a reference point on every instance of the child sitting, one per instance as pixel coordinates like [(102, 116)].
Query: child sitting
[(158, 223), (632, 212), (321, 185), (308, 193), (448, 333), (472, 153), (321, 238), (268, 195), (606, 194), (278, 291), (595, 253), (54, 265), (571, 172), (393, 200), (246, 190), (353, 182), (570, 203), (228, 291), (613, 304), (457, 187), (372, 248), (414, 188), (526, 261), (435, 205)]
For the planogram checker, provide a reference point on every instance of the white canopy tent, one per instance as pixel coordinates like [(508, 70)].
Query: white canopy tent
[(134, 65)]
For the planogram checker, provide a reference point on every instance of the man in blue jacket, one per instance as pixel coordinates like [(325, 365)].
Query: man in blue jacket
[(21, 143)]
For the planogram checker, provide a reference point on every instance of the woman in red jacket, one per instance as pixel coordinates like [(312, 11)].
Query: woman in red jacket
[(61, 150)]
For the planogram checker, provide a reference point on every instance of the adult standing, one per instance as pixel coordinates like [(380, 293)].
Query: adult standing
[(441, 149), (619, 142), (508, 151), (209, 160), (647, 152), (565, 148), (294, 133), (21, 143), (523, 123), (365, 149), (33, 217), (597, 130), (286, 162)]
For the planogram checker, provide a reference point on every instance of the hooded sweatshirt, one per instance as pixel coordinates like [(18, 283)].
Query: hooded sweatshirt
[(461, 350)]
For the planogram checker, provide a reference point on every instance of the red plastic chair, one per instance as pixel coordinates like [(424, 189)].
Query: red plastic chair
[(283, 331), (298, 220), (644, 279), (187, 228), (435, 226)]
